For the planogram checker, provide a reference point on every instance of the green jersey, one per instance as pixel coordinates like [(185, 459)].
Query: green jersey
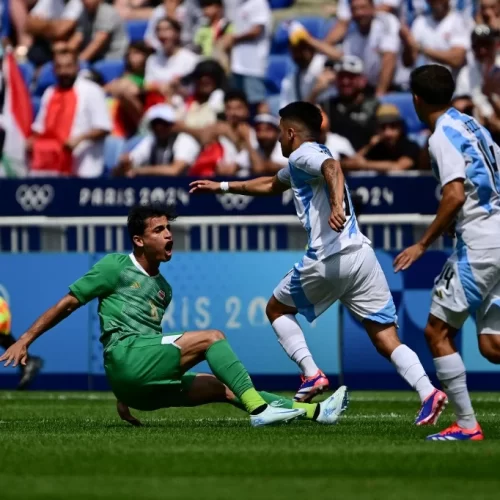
[(130, 301)]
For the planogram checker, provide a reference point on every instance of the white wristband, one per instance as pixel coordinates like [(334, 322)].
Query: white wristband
[(224, 187)]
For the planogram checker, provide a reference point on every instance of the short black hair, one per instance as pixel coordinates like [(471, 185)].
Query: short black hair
[(305, 113), (207, 3), (433, 83), (236, 95), (139, 214)]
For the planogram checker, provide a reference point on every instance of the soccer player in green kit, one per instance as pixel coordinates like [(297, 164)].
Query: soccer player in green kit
[(147, 370)]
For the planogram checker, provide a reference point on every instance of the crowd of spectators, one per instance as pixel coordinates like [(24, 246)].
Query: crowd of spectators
[(196, 94)]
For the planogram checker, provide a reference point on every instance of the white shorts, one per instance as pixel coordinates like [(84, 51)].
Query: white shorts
[(469, 284), (355, 278)]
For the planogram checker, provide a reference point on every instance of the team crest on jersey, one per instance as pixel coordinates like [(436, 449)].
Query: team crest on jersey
[(161, 294), (135, 284)]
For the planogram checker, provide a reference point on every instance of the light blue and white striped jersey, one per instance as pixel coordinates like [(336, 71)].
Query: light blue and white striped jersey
[(460, 148), (312, 202)]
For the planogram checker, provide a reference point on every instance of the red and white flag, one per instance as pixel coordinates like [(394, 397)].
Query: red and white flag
[(16, 119)]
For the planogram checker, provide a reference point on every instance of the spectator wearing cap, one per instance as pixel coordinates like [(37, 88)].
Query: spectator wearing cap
[(440, 37), (250, 44), (267, 131), (71, 125), (298, 84), (207, 38), (489, 14), (205, 101), (334, 142), (352, 111), (478, 75), (49, 21), (163, 151), (165, 68), (389, 150)]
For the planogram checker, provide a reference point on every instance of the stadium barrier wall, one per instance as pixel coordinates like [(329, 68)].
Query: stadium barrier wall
[(227, 291)]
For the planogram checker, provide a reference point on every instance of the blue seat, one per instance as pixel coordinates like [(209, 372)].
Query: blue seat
[(316, 26), (113, 149), (28, 72), (281, 4), (404, 102), (46, 77), (136, 30), (110, 70), (277, 69)]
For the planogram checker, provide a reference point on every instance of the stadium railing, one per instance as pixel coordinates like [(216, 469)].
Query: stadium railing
[(203, 233)]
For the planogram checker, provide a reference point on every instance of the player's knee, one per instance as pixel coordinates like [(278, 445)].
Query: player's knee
[(490, 348), (271, 311), (433, 336), (213, 336)]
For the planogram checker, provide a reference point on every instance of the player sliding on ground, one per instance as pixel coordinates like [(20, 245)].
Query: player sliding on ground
[(339, 263), (466, 162), (145, 369)]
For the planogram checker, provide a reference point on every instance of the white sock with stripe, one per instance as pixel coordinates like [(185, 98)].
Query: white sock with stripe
[(410, 368), (292, 339), (450, 371)]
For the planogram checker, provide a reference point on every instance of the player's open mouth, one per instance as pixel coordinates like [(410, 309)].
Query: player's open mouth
[(169, 246)]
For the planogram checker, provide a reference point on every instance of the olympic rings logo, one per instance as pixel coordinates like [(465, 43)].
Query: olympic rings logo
[(34, 198), (231, 201)]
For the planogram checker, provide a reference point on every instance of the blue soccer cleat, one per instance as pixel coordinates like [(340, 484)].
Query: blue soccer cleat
[(332, 408), (456, 433), (432, 408), (272, 415), (311, 387)]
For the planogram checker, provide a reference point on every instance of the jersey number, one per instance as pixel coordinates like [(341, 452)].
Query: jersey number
[(446, 275), (491, 161)]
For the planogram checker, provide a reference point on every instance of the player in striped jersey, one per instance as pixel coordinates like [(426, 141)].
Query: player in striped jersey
[(465, 160), (339, 263)]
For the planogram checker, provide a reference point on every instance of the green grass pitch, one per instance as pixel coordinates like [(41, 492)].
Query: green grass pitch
[(73, 446)]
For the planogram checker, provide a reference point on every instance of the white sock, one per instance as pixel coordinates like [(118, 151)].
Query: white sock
[(410, 368), (450, 371), (292, 339)]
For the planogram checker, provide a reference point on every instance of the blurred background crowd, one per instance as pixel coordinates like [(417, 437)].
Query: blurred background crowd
[(94, 88)]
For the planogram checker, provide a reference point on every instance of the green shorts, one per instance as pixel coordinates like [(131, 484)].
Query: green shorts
[(144, 372)]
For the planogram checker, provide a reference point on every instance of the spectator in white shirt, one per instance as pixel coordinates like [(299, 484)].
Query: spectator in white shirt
[(100, 33), (441, 37), (87, 124), (250, 44), (49, 21), (375, 40), (166, 68), (163, 151), (476, 78), (267, 132)]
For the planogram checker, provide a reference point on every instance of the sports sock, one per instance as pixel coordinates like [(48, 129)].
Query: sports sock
[(6, 340), (410, 368), (450, 371), (282, 402), (226, 366), (292, 339)]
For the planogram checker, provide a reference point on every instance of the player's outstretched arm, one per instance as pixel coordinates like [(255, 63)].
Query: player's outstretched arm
[(18, 353), (451, 202), (260, 186)]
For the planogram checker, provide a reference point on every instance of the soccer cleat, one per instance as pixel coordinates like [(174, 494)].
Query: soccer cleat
[(432, 408), (332, 408), (272, 415), (29, 372), (456, 433), (311, 387)]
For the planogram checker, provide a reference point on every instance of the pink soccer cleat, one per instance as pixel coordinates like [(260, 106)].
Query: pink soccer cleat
[(456, 433), (311, 387), (432, 408)]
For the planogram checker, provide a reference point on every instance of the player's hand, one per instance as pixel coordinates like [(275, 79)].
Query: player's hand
[(15, 354), (204, 187), (407, 257), (337, 219), (126, 416)]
